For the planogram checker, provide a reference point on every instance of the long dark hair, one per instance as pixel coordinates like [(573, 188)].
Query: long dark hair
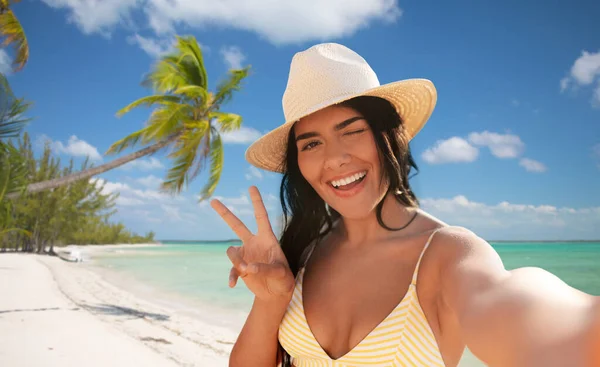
[(306, 216)]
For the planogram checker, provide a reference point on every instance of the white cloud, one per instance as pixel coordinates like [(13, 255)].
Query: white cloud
[(143, 164), (532, 165), (130, 192), (127, 201), (586, 68), (241, 200), (97, 16), (501, 146), (74, 147), (453, 150), (242, 136), (5, 62), (564, 84), (521, 221), (172, 212), (113, 187), (253, 172), (279, 22), (152, 46), (233, 57), (150, 181), (584, 71)]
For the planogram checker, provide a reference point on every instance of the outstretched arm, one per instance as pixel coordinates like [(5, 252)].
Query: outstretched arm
[(524, 317)]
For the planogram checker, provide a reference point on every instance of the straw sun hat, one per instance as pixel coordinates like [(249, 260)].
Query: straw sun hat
[(327, 74)]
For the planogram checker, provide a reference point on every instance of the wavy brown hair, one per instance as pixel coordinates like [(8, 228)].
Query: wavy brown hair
[(307, 218)]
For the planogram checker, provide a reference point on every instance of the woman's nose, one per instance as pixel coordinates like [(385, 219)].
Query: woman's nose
[(336, 156)]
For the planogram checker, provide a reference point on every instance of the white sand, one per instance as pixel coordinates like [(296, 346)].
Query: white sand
[(54, 313)]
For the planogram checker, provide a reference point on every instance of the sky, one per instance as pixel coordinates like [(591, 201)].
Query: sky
[(512, 150)]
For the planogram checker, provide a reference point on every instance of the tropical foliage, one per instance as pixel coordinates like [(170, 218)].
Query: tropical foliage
[(13, 172), (11, 33), (187, 122), (74, 214)]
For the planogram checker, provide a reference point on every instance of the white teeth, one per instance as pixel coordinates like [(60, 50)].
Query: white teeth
[(347, 180)]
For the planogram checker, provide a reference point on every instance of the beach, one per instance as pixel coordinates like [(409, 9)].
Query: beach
[(56, 313), (167, 305)]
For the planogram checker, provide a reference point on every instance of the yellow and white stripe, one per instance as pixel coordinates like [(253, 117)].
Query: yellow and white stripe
[(403, 339)]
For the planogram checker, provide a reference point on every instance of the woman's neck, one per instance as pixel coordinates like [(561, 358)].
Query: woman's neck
[(360, 231)]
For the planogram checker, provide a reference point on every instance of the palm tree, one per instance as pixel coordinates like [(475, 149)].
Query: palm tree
[(187, 120), (12, 32), (13, 170)]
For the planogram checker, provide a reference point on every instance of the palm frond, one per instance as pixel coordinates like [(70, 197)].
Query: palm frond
[(190, 57), (5, 170), (216, 166), (13, 33), (182, 67), (166, 121), (148, 101), (12, 111), (227, 121), (185, 158), (162, 124), (127, 142), (166, 75), (193, 92), (13, 170), (227, 87)]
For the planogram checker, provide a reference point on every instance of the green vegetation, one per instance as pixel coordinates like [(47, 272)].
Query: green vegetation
[(12, 33), (43, 203), (187, 122), (75, 214)]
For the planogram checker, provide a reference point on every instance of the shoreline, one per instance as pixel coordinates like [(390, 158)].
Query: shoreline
[(157, 335)]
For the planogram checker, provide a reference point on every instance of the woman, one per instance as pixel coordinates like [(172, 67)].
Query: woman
[(361, 275)]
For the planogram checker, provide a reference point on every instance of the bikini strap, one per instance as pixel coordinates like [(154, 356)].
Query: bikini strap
[(414, 277)]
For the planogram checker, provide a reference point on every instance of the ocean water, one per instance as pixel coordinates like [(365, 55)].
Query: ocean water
[(198, 272)]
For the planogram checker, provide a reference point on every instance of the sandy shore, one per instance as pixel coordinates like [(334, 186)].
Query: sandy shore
[(55, 313)]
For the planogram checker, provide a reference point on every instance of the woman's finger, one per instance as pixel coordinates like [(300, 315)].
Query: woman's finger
[(260, 212), (232, 221), (267, 270), (233, 277), (235, 256)]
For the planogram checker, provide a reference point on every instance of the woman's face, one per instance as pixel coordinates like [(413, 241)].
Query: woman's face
[(338, 157)]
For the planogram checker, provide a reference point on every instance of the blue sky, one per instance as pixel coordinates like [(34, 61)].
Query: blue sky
[(512, 150)]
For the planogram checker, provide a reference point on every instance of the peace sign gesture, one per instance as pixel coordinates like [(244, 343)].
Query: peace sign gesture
[(260, 262)]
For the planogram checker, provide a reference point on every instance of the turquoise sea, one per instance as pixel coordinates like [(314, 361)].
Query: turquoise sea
[(197, 272)]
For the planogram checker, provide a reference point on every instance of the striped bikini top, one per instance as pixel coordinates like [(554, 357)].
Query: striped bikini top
[(403, 338)]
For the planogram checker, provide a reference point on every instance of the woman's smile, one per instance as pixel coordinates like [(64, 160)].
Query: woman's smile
[(349, 185)]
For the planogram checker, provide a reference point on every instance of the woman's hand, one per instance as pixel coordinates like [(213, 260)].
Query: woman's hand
[(260, 262)]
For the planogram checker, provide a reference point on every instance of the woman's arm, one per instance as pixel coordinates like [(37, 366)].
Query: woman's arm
[(257, 343), (524, 317)]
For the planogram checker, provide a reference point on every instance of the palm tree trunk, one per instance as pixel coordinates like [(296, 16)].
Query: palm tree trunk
[(57, 182)]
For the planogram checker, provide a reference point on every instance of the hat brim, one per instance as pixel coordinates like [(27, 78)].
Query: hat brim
[(414, 100)]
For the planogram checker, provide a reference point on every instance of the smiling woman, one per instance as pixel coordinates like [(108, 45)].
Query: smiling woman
[(361, 275)]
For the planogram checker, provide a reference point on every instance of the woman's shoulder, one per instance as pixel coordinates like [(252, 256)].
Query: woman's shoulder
[(449, 244)]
